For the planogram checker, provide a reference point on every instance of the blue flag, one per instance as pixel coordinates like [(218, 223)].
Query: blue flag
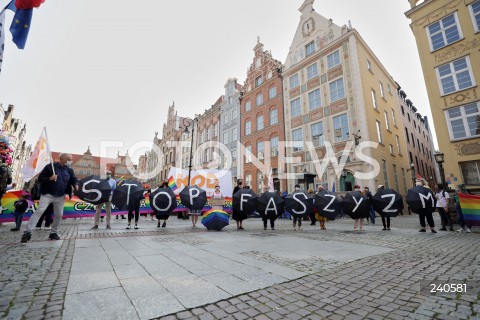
[(333, 186), (11, 6), (21, 26)]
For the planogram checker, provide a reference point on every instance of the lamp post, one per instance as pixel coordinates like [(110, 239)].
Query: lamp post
[(412, 173), (187, 122), (440, 159)]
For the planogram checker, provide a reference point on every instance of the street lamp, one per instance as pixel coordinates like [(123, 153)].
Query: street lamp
[(187, 122), (440, 159), (412, 172)]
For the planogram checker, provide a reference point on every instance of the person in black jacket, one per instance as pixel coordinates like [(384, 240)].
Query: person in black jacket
[(21, 207), (55, 185)]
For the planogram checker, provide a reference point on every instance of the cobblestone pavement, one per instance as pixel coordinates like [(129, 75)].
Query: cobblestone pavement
[(34, 278)]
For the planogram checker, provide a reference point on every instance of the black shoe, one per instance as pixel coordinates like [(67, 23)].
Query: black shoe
[(164, 224), (26, 237), (388, 229), (116, 217), (15, 229), (123, 218), (53, 236), (273, 228), (442, 229), (384, 229), (433, 231), (422, 230), (451, 229), (158, 224), (136, 227), (264, 228)]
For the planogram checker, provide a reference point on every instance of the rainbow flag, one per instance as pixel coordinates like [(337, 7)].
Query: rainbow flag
[(171, 184), (119, 180), (470, 205)]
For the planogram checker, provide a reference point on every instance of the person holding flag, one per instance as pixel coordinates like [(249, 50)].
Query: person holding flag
[(57, 180)]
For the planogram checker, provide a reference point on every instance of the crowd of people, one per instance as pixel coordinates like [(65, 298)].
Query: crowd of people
[(58, 180)]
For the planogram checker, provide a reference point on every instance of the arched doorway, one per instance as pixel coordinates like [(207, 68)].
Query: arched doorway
[(347, 181)]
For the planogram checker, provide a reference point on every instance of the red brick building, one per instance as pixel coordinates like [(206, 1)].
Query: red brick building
[(261, 121)]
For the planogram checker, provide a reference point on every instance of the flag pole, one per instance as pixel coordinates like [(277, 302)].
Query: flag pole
[(48, 150)]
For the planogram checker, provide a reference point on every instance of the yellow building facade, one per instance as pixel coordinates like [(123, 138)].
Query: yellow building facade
[(447, 33), (336, 90)]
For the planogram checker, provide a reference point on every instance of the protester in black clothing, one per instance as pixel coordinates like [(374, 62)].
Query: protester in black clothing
[(21, 207), (163, 185), (47, 216), (235, 214), (238, 186)]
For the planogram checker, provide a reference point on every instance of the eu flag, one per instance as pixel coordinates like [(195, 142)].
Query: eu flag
[(21, 26)]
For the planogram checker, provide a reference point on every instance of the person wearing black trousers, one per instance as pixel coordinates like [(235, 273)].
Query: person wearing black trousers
[(131, 208), (47, 216)]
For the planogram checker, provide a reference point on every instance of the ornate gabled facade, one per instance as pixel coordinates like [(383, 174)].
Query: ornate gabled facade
[(207, 155), (171, 136), (337, 91), (262, 129), (447, 36)]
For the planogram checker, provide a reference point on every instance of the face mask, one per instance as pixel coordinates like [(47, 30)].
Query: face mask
[(239, 183), (418, 184), (108, 176), (69, 163)]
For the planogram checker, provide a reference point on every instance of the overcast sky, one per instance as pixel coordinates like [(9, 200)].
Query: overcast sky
[(108, 70)]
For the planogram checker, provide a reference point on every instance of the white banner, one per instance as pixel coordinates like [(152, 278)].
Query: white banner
[(39, 159), (205, 179)]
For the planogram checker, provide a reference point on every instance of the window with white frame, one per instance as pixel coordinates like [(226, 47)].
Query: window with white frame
[(225, 118), (470, 171), (297, 137), (337, 90), (394, 118), (274, 146), (464, 121), (374, 99), (207, 134), (444, 32), (234, 113), (382, 91), (312, 71), (295, 107), (294, 81), (248, 128), (333, 59), (389, 89), (455, 76), (258, 81), (314, 99), (259, 99), (340, 127), (379, 131), (260, 150), (397, 139), (317, 134), (225, 137), (385, 173), (475, 12), (215, 130), (248, 180), (390, 147), (248, 154), (310, 48), (206, 155), (369, 65), (248, 105), (387, 123), (272, 92), (234, 134), (273, 117), (260, 122)]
